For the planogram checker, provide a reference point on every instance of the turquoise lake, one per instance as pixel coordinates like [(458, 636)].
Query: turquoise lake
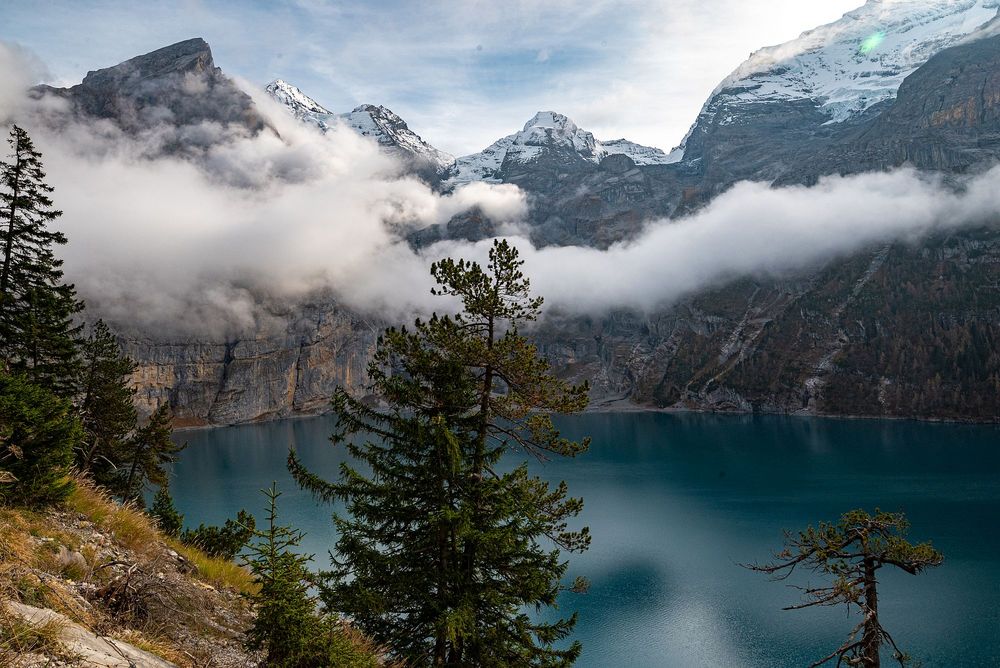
[(675, 502)]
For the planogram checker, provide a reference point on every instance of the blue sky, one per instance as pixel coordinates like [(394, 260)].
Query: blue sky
[(462, 73)]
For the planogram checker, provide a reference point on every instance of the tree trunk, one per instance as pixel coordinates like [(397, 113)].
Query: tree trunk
[(474, 653), (871, 642), (8, 249)]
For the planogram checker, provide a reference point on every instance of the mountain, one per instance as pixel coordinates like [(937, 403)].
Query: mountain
[(641, 155), (301, 105), (550, 140), (377, 122), (770, 117), (178, 85), (904, 330)]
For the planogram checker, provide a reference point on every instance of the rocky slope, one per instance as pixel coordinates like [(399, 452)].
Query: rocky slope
[(93, 583), (259, 377), (176, 87)]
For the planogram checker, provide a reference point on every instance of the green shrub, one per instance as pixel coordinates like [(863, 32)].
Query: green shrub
[(38, 432), (224, 542), (163, 511)]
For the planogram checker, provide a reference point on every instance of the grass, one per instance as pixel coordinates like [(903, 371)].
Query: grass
[(137, 531), (130, 527), (216, 572)]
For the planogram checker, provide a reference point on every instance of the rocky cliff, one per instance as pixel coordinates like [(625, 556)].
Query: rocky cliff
[(175, 96), (261, 377)]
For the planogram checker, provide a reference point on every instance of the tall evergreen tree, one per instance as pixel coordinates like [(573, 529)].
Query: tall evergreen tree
[(444, 548), (106, 404), (38, 336)]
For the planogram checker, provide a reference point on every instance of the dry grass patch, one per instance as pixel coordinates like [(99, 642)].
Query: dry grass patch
[(217, 572), (130, 527)]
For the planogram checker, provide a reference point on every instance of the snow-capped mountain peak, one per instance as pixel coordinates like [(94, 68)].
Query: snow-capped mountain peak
[(549, 131), (551, 119), (293, 98), (377, 122), (860, 60)]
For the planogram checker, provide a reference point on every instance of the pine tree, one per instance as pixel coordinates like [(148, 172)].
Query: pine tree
[(106, 404), (442, 550), (163, 511), (38, 336), (287, 627), (851, 552), (224, 542), (147, 454)]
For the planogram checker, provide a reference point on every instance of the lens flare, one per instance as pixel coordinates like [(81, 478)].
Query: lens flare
[(871, 42)]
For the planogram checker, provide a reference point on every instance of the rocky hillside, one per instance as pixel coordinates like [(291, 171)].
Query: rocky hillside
[(263, 377), (94, 584)]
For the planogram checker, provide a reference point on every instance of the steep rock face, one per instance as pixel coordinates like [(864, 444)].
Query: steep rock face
[(296, 371), (178, 85), (947, 114), (898, 331)]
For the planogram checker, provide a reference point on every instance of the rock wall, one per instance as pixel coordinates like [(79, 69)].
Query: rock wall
[(246, 379)]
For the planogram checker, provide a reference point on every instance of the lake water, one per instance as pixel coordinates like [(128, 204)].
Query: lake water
[(676, 502)]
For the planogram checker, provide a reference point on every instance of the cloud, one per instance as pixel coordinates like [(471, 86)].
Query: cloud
[(756, 230), (234, 236), (19, 69), (234, 231)]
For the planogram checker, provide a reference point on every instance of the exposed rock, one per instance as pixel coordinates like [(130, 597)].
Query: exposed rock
[(826, 341), (87, 647), (177, 86), (257, 378)]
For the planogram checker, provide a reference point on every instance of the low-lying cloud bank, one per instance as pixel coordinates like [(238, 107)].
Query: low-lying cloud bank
[(756, 230), (229, 242)]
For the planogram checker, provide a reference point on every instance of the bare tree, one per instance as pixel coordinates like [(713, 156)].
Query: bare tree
[(851, 552)]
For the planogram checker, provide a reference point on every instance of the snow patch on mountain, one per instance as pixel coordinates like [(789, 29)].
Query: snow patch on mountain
[(641, 155), (858, 61), (548, 131), (377, 122)]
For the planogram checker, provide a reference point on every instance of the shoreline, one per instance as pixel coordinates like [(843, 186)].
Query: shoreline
[(624, 406)]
